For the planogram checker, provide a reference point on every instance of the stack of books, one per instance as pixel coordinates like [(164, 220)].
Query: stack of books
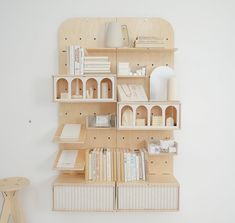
[(100, 165), (75, 60), (149, 42), (131, 165), (98, 65)]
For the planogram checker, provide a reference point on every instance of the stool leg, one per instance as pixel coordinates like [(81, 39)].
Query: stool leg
[(6, 210), (16, 210)]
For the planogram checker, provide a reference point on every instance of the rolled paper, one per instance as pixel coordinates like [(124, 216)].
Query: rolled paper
[(104, 90), (171, 89)]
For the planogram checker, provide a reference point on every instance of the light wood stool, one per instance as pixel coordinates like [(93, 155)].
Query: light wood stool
[(9, 187)]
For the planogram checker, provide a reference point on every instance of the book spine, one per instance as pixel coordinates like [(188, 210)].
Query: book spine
[(77, 59), (108, 165), (82, 55), (90, 165)]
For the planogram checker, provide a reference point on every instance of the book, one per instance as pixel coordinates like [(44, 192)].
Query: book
[(67, 159), (70, 59), (71, 131)]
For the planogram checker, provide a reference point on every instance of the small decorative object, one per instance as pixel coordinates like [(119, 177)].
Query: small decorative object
[(153, 148), (64, 95), (123, 68), (157, 120), (172, 92), (158, 83), (114, 36), (170, 121), (140, 122), (131, 92), (104, 90), (149, 42), (103, 120), (77, 95), (127, 117), (172, 149)]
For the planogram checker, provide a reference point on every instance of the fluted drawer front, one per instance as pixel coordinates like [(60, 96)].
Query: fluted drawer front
[(143, 197), (84, 197)]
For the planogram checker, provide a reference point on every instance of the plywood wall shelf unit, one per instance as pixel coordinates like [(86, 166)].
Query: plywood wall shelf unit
[(73, 190)]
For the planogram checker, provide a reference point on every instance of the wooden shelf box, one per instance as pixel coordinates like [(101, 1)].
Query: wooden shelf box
[(152, 115), (74, 88)]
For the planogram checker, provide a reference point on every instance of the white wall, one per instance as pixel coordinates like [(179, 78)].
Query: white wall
[(205, 36)]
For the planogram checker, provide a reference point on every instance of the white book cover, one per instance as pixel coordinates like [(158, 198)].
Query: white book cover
[(71, 131), (67, 159), (108, 165), (94, 164), (77, 59), (129, 167), (90, 165), (93, 58), (125, 166), (105, 164), (82, 55), (101, 164), (96, 63), (143, 164), (137, 166), (132, 167)]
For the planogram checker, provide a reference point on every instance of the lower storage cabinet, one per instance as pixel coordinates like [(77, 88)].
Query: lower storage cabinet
[(119, 196), (84, 197), (162, 197)]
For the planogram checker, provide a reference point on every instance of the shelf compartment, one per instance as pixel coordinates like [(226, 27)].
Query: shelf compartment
[(79, 164), (68, 88), (91, 122), (160, 195), (155, 114), (73, 193), (79, 140)]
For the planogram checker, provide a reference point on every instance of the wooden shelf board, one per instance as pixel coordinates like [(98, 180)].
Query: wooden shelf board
[(105, 75), (86, 100), (130, 49), (80, 140), (132, 76), (152, 180), (149, 102), (78, 179), (146, 128)]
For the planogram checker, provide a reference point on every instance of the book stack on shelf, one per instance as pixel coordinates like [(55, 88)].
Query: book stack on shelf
[(149, 42), (131, 165), (75, 60), (100, 165), (94, 64)]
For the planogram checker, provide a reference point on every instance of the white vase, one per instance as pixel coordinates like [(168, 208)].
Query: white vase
[(114, 37)]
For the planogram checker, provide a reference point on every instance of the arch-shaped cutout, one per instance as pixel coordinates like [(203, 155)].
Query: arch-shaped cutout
[(106, 88), (91, 88), (141, 116), (62, 88), (156, 116), (127, 116), (76, 89), (171, 116)]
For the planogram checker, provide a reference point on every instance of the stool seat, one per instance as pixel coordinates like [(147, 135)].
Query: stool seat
[(9, 188), (13, 184)]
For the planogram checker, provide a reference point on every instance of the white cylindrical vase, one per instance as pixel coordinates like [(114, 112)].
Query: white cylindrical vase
[(114, 37)]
